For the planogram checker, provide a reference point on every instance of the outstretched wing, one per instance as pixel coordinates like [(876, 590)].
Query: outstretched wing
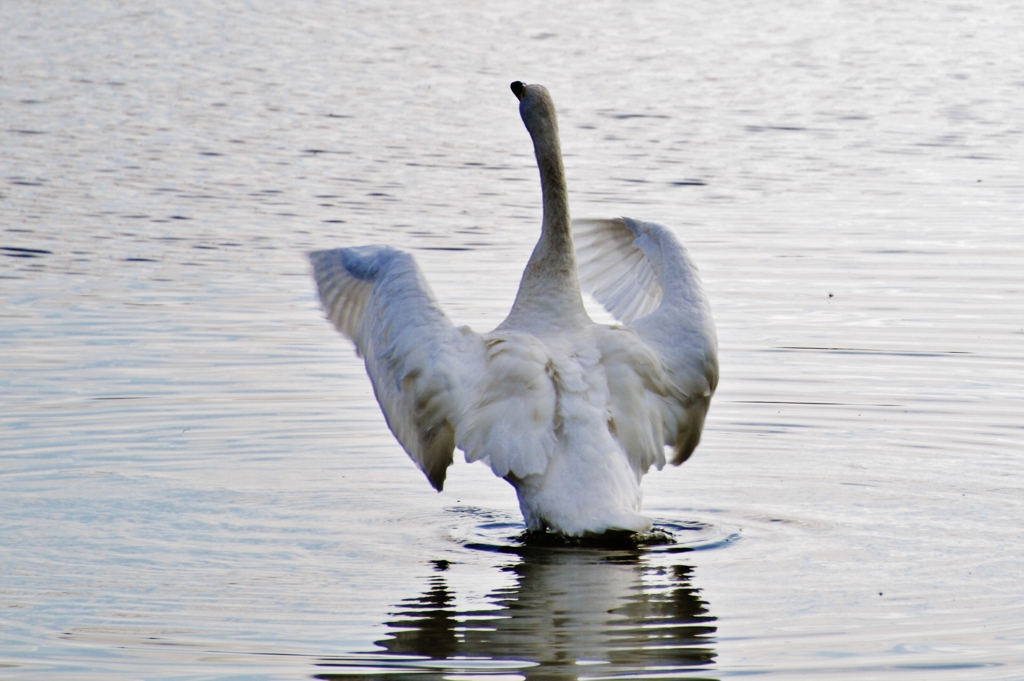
[(424, 370), (642, 274)]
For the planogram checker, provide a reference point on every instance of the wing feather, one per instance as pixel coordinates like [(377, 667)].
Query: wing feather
[(614, 269), (423, 369), (512, 424), (636, 382)]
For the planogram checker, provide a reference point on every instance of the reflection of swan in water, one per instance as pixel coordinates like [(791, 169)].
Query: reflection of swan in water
[(568, 613), (572, 413)]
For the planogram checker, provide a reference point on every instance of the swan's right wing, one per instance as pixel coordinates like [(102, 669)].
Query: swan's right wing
[(424, 370), (642, 274)]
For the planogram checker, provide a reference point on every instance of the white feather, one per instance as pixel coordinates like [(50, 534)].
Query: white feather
[(511, 423), (614, 269)]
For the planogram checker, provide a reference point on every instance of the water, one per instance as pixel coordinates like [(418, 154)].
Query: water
[(195, 481)]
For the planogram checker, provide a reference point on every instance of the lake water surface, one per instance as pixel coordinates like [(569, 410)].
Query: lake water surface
[(195, 479)]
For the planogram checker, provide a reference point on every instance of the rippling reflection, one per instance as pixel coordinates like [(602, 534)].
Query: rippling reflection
[(568, 614)]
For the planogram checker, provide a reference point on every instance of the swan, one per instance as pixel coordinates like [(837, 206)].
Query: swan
[(570, 412)]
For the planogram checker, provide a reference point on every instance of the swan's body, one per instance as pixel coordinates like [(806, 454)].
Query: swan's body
[(570, 412)]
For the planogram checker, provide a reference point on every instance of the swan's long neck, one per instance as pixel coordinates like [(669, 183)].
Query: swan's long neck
[(556, 232), (549, 292)]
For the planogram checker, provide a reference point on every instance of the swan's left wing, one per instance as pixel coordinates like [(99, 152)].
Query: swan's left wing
[(642, 274), (423, 369)]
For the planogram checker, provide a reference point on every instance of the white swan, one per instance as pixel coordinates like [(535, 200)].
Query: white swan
[(570, 412)]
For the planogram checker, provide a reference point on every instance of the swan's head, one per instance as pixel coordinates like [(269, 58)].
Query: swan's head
[(536, 108)]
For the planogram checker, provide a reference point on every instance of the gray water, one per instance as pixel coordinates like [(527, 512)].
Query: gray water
[(195, 479)]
